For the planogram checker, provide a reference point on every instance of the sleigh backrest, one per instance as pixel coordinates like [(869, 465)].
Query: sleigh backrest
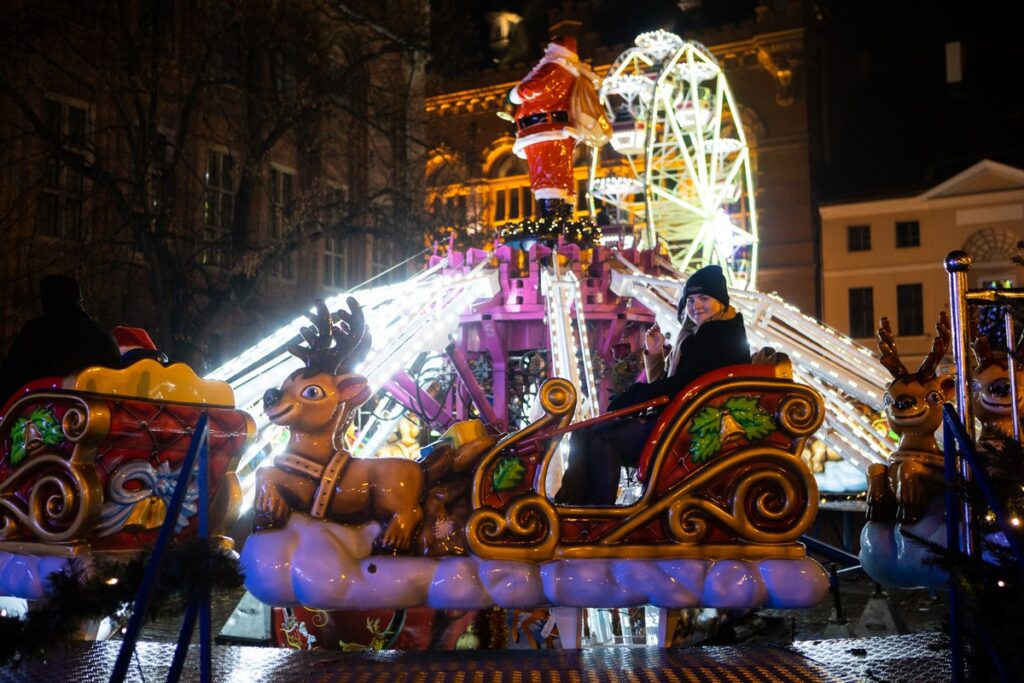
[(115, 438), (690, 429)]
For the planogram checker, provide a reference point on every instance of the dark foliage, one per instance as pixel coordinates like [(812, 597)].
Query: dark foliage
[(105, 588)]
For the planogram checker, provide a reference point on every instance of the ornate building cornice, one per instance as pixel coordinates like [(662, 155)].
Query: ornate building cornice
[(779, 53)]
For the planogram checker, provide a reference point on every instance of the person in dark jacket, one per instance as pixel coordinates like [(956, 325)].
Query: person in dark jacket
[(61, 341), (712, 337)]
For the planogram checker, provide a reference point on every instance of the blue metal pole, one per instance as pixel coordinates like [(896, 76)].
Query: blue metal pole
[(205, 650), (163, 541), (953, 544), (984, 482), (199, 600)]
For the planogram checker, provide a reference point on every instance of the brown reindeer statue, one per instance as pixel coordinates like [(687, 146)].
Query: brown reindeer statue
[(316, 474), (900, 491), (424, 505), (991, 394)]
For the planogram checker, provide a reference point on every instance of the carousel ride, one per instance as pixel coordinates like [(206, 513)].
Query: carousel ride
[(497, 355), (476, 335)]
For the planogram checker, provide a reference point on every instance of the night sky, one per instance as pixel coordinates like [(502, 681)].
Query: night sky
[(886, 121)]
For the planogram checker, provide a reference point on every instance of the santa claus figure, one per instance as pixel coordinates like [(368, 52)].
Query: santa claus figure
[(545, 135)]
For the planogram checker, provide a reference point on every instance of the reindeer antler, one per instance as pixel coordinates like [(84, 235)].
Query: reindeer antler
[(333, 348), (939, 347), (887, 346)]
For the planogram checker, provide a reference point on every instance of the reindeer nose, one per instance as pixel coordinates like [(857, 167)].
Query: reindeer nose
[(271, 397), (905, 402), (1000, 387)]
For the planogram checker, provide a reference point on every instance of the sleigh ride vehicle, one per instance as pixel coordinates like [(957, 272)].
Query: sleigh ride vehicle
[(471, 525), (89, 462)]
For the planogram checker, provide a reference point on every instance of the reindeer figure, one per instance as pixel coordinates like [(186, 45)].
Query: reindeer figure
[(913, 406), (315, 474), (990, 391)]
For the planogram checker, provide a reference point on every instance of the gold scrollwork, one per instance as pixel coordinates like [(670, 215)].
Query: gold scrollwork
[(776, 487), (63, 504), (775, 502), (529, 530), (800, 415), (74, 424), (558, 397)]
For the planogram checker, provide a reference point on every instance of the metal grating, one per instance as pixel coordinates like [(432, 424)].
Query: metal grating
[(917, 658)]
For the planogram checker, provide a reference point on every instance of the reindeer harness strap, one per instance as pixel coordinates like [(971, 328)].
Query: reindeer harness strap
[(299, 465), (325, 489)]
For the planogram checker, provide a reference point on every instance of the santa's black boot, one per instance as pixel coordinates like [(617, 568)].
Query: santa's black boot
[(551, 208)]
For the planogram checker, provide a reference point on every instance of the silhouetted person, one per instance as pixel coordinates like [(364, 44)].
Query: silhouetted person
[(61, 341)]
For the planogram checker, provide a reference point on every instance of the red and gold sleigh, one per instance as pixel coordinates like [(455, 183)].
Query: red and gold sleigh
[(721, 473), (725, 500), (88, 463)]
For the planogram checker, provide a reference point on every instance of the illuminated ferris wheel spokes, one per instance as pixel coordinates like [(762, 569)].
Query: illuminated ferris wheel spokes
[(686, 167)]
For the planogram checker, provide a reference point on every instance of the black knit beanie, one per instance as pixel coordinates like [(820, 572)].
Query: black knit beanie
[(708, 280)]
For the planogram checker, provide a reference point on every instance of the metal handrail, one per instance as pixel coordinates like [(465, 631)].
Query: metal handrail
[(199, 601)]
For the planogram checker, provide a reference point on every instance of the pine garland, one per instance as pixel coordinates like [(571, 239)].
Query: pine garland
[(583, 232), (104, 588)]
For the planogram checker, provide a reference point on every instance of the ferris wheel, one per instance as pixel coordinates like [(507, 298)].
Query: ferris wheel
[(679, 159)]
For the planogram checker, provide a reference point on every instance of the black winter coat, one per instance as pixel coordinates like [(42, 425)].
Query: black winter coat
[(715, 344), (56, 345)]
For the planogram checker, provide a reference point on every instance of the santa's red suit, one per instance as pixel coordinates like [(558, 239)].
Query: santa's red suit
[(544, 133)]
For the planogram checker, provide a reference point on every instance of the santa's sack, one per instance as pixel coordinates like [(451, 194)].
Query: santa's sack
[(588, 114)]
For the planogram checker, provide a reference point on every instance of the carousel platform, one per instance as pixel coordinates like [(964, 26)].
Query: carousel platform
[(913, 658)]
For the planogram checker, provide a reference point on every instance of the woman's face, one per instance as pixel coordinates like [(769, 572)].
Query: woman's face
[(700, 307)]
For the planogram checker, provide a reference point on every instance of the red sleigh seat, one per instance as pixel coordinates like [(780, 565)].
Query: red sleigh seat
[(90, 461)]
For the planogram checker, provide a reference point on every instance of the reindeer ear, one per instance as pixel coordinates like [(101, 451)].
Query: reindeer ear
[(947, 385)]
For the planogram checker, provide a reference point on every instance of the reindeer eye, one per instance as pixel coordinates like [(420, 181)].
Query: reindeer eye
[(313, 392), (887, 400), (934, 397)]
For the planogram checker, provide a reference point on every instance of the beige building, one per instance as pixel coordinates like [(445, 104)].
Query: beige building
[(885, 257)]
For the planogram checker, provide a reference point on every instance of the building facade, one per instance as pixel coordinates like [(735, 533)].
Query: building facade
[(885, 257), (207, 169)]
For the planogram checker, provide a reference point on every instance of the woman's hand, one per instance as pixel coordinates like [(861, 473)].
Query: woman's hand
[(654, 340)]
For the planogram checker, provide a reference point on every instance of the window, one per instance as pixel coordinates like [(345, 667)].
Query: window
[(954, 62), (858, 238), (499, 205), (218, 210), (862, 312), (335, 262), (336, 248), (381, 257), (909, 308), (59, 212), (908, 234), (281, 182)]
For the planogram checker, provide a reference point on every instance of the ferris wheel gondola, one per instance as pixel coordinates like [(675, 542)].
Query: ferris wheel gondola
[(680, 160)]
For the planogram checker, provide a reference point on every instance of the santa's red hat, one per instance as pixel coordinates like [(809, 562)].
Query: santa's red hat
[(568, 42), (129, 338)]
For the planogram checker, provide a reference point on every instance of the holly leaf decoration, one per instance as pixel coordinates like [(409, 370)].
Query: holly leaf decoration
[(508, 474), (46, 426), (747, 411), (704, 431), (18, 440)]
